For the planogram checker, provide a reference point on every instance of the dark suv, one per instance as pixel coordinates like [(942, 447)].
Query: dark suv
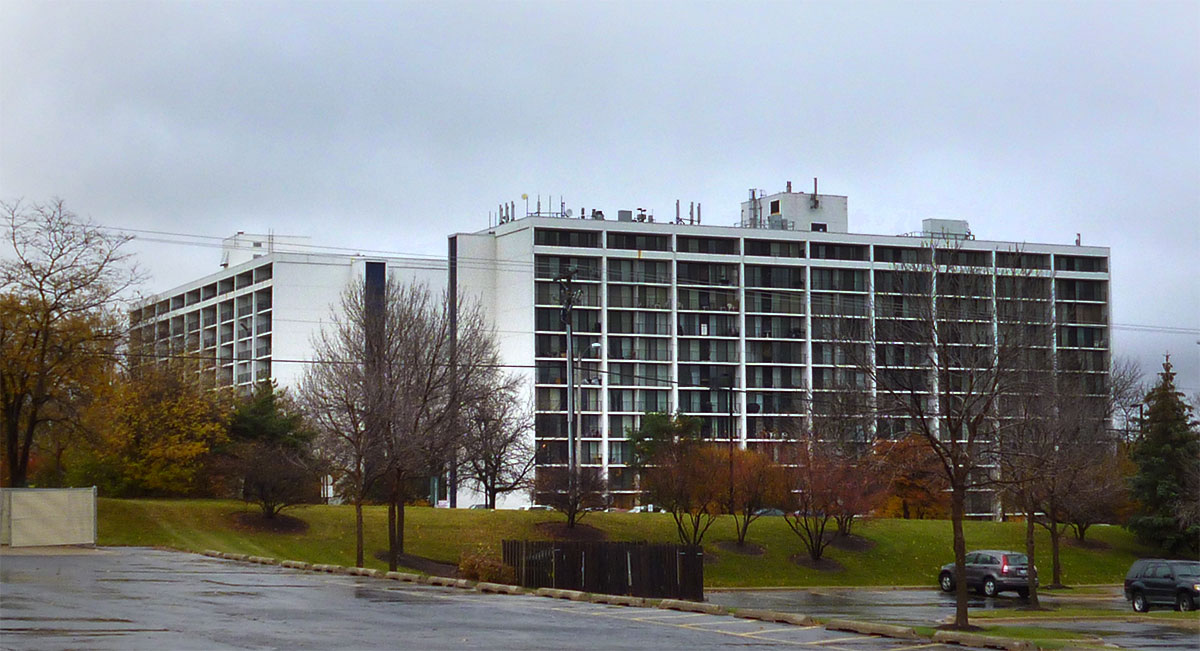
[(991, 572), (1158, 582)]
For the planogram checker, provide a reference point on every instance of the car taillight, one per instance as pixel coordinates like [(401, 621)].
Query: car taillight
[(1004, 567)]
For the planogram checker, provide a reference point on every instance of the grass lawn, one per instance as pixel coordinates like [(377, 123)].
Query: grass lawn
[(902, 552)]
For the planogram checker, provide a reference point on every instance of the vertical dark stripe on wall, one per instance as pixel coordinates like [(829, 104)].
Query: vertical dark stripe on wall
[(375, 280), (452, 296)]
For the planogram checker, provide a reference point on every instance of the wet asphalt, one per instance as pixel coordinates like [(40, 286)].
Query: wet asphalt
[(138, 598), (931, 607)]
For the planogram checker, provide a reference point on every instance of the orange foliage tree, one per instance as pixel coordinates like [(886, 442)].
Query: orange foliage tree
[(757, 483)]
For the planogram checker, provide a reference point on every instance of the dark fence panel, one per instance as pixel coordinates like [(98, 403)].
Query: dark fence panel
[(639, 569)]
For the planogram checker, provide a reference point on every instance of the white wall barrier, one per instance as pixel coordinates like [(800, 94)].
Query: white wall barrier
[(47, 516)]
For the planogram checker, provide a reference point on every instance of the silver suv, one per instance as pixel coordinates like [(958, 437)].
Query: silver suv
[(992, 571)]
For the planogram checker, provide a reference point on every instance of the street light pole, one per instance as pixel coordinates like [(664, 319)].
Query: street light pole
[(568, 299)]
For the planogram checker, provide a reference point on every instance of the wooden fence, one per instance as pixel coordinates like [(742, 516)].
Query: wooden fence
[(638, 569)]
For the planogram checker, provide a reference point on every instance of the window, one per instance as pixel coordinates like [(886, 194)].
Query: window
[(838, 251), (902, 254), (775, 206), (775, 249), (708, 245), (564, 237), (639, 241), (818, 227)]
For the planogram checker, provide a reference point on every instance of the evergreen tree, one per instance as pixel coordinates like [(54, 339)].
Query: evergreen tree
[(1166, 456), (269, 452)]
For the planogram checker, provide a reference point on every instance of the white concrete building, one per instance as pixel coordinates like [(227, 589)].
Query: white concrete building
[(668, 311), (254, 318)]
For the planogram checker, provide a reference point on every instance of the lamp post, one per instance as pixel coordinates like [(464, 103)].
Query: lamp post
[(576, 416)]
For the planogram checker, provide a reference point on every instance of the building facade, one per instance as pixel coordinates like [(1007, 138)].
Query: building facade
[(754, 328), (255, 318)]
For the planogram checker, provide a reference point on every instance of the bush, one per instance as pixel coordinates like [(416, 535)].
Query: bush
[(480, 565)]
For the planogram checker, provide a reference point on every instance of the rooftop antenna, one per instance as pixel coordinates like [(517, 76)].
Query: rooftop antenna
[(816, 203), (697, 212)]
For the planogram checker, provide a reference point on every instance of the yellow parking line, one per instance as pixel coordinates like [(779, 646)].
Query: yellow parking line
[(839, 640), (659, 620)]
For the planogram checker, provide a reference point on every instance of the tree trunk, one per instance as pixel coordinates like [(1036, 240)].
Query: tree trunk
[(1030, 548), (1055, 539), (358, 533), (391, 535), (400, 526), (957, 510)]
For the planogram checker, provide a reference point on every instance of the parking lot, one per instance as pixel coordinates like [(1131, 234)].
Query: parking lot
[(931, 607), (137, 598)]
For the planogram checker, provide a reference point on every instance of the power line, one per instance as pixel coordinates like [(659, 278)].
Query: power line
[(635, 278)]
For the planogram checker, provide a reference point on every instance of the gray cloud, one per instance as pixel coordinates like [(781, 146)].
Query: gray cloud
[(388, 125)]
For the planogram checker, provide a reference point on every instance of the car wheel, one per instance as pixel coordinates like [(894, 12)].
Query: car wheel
[(1023, 593), (989, 587), (1139, 602), (1185, 602), (946, 581)]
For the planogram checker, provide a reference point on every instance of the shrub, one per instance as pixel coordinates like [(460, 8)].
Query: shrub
[(480, 565)]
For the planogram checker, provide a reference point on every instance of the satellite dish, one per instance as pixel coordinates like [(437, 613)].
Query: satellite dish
[(569, 212)]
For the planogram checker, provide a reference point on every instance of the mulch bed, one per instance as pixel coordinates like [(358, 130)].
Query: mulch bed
[(581, 532), (254, 521), (823, 565), (852, 543), (421, 564), (746, 549)]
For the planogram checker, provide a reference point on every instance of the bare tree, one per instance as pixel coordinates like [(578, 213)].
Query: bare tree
[(952, 333), (1102, 491), (59, 310), (497, 456), (569, 493), (437, 359), (334, 394)]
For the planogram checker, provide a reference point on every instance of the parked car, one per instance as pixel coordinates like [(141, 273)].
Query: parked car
[(1158, 582), (538, 507), (647, 508), (992, 571), (475, 507), (773, 512)]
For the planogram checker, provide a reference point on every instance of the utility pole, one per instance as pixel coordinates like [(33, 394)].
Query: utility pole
[(569, 296)]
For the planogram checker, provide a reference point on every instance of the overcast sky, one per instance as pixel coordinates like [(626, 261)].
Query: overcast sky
[(390, 125)]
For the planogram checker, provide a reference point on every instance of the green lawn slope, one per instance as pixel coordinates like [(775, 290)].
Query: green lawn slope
[(896, 552)]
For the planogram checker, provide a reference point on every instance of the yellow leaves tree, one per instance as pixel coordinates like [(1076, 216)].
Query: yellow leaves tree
[(153, 429), (60, 281)]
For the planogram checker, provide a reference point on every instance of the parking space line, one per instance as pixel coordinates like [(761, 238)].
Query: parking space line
[(929, 645), (661, 621)]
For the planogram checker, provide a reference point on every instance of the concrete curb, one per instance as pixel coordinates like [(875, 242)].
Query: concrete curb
[(296, 565), (573, 595), (986, 641), (498, 588), (872, 628), (622, 600), (262, 560), (403, 576), (775, 616), (692, 607)]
